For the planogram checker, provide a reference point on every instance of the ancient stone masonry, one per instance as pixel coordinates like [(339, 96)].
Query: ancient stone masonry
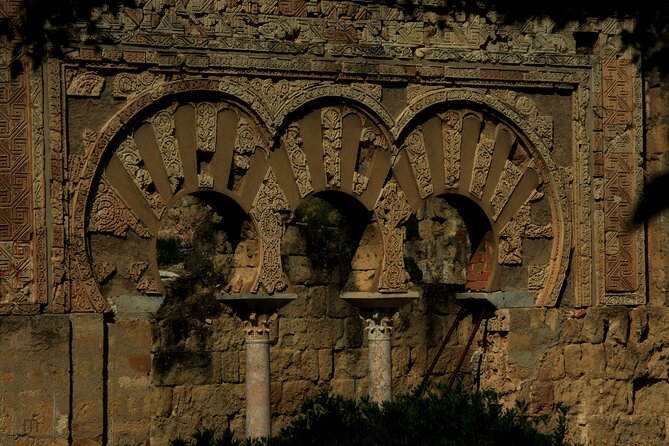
[(457, 154)]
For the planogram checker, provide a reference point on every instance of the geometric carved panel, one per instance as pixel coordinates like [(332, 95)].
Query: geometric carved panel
[(15, 190)]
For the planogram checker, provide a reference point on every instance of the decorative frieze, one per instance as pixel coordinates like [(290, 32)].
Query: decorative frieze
[(292, 143), (415, 148)]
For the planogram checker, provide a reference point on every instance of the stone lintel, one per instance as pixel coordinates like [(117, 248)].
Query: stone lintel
[(501, 299)]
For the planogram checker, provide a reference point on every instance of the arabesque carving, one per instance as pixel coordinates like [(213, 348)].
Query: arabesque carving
[(392, 210), (508, 181), (87, 84), (163, 126), (451, 128), (415, 148), (205, 122), (270, 211), (332, 134), (292, 143), (127, 85), (482, 161)]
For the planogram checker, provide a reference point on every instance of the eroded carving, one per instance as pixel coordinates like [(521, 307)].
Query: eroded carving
[(87, 84), (257, 327), (510, 250), (131, 159), (109, 214)]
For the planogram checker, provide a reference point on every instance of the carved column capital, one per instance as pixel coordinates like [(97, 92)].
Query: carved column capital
[(379, 327), (256, 327)]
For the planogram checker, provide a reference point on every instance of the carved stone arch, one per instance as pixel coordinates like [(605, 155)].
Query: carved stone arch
[(333, 143), (178, 139), (365, 96), (468, 142)]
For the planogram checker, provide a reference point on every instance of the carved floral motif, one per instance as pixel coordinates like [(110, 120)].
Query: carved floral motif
[(205, 120), (298, 159), (482, 161), (163, 127), (451, 128), (269, 212), (332, 134), (392, 210), (415, 148)]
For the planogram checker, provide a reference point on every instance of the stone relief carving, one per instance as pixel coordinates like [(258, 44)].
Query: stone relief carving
[(269, 212), (451, 128), (245, 146), (415, 148), (508, 181), (103, 270), (332, 134), (132, 161), (482, 161), (163, 127), (205, 122), (127, 85), (380, 327), (510, 250), (87, 84), (109, 214), (257, 328), (392, 211), (292, 143)]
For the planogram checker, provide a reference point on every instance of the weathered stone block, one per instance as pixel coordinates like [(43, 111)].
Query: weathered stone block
[(572, 361), (593, 360)]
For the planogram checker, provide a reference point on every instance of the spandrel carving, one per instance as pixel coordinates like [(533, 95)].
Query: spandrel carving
[(132, 161), (510, 251), (270, 211), (87, 84), (109, 214), (298, 159), (332, 134), (415, 147), (392, 210)]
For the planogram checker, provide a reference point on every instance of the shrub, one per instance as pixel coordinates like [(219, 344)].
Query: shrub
[(442, 417)]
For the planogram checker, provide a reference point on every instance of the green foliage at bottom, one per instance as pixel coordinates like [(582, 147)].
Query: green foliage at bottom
[(442, 417)]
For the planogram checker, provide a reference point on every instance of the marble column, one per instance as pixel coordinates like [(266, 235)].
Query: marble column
[(379, 329), (258, 415)]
